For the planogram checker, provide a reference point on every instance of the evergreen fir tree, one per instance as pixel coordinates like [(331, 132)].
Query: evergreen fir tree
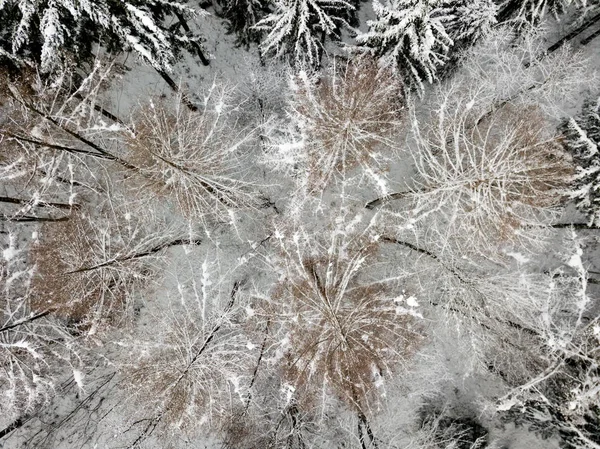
[(242, 15), (298, 28), (49, 33), (530, 11), (466, 21), (582, 139), (409, 37)]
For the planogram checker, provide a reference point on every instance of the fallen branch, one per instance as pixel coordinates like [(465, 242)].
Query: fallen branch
[(184, 99), (10, 200), (146, 253), (31, 219), (585, 25)]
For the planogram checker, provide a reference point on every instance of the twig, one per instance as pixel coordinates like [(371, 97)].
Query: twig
[(386, 199), (260, 356), (574, 226)]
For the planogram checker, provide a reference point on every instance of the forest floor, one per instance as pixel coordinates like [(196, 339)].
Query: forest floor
[(228, 253)]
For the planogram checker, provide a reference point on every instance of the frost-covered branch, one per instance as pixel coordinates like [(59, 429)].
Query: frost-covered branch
[(196, 158)]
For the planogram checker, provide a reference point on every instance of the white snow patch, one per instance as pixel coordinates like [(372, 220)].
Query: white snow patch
[(507, 404), (78, 377), (520, 258), (412, 301), (9, 253)]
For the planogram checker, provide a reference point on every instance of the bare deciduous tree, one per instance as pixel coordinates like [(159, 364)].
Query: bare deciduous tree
[(484, 181), (197, 158), (88, 268), (347, 118), (194, 372), (347, 329), (350, 117), (35, 348)]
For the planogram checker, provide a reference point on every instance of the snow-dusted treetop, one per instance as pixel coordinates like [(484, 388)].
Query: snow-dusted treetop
[(407, 37), (582, 139), (468, 20), (298, 28), (50, 32)]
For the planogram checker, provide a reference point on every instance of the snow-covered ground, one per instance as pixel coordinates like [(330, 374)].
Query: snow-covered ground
[(98, 407)]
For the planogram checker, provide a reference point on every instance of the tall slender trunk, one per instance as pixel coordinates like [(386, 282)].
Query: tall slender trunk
[(173, 85), (585, 25), (195, 44), (13, 426), (31, 219), (139, 255), (10, 200)]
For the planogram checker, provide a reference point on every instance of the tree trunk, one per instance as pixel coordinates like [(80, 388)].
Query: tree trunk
[(195, 44), (591, 37), (31, 219), (385, 199), (13, 426), (173, 85), (575, 32), (25, 321), (5, 199)]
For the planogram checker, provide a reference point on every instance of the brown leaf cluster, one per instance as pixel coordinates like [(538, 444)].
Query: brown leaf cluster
[(345, 332), (350, 115)]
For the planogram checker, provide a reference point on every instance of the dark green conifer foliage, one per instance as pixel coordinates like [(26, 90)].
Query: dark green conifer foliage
[(582, 140), (50, 34)]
